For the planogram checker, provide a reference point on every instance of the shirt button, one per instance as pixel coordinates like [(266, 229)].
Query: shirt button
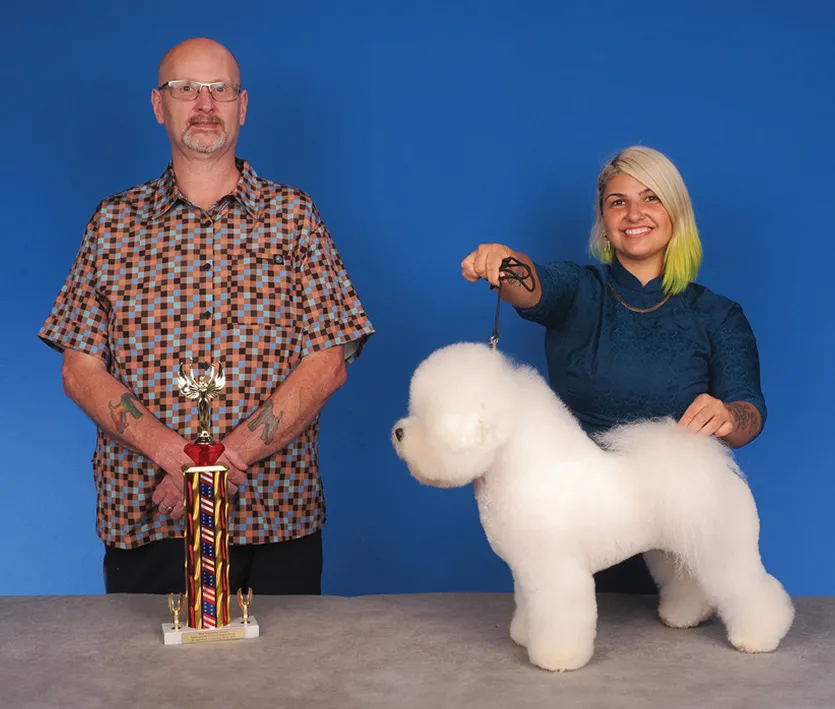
[(207, 314), (207, 266)]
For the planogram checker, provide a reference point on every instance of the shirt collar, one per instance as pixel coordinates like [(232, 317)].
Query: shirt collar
[(625, 280), (246, 192)]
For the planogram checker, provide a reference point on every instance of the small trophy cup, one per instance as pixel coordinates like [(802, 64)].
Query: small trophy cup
[(175, 608), (207, 596)]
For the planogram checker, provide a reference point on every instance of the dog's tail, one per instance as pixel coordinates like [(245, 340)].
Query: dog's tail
[(694, 481)]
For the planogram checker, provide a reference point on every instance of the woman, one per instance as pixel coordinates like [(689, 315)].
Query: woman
[(635, 337)]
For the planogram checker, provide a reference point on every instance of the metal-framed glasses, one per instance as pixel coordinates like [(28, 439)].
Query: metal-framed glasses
[(190, 90)]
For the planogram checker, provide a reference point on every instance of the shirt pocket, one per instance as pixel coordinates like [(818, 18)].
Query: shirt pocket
[(261, 291)]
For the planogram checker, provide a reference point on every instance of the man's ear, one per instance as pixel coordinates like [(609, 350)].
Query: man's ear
[(460, 432), (156, 103)]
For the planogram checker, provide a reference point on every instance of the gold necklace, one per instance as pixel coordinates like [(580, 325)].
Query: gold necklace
[(633, 309)]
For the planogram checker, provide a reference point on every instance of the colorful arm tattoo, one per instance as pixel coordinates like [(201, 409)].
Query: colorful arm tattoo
[(125, 407)]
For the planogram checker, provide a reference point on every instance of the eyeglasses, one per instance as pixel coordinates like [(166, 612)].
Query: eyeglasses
[(190, 90)]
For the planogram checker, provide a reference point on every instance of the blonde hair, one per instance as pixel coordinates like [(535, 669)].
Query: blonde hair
[(655, 170)]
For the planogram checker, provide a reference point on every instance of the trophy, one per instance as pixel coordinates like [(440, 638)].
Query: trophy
[(207, 597)]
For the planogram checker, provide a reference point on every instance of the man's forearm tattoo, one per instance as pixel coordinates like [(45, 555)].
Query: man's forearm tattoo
[(268, 420), (126, 406), (744, 416)]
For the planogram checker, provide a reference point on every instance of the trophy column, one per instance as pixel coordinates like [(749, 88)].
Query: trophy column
[(206, 534), (207, 547)]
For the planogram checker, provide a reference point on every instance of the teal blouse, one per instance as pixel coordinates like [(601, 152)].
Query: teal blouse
[(611, 365)]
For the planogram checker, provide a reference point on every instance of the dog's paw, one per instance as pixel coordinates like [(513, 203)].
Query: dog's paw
[(560, 657), (519, 629), (684, 612), (754, 642), (762, 632)]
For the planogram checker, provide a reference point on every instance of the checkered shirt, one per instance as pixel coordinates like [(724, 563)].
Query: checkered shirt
[(255, 282)]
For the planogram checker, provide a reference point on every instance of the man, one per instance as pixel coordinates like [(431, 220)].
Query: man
[(212, 262)]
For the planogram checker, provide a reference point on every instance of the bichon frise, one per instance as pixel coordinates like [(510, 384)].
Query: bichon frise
[(557, 507)]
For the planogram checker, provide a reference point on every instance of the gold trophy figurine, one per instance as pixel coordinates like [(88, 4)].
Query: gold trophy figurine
[(202, 389), (205, 527)]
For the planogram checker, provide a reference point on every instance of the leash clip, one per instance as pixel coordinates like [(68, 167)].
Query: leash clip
[(507, 273), (494, 338)]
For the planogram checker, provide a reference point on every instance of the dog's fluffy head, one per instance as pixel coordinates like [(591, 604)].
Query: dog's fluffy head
[(460, 411)]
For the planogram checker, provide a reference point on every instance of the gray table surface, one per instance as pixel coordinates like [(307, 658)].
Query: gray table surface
[(398, 652)]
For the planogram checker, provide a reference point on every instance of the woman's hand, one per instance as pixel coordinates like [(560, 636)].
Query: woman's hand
[(485, 262), (708, 415), (737, 423)]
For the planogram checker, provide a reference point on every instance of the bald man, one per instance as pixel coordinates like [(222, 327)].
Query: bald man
[(213, 262)]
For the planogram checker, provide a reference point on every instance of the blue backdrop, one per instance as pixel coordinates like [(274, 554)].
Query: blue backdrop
[(422, 132)]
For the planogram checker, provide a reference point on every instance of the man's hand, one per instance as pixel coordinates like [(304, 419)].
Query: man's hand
[(237, 469), (708, 415), (169, 495)]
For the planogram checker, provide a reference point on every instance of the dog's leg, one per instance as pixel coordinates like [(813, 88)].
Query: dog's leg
[(756, 609), (561, 616), (519, 624), (681, 601)]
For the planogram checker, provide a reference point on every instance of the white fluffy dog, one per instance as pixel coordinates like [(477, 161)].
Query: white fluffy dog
[(557, 507)]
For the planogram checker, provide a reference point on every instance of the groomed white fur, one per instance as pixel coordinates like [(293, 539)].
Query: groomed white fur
[(557, 508)]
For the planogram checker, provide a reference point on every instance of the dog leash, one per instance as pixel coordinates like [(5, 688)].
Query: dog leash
[(508, 274)]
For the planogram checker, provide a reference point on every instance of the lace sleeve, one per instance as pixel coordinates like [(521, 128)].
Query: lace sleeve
[(560, 282), (735, 362)]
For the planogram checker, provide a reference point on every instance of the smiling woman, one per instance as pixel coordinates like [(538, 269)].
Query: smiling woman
[(644, 215), (634, 336)]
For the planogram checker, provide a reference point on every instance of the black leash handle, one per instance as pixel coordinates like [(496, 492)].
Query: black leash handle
[(507, 273)]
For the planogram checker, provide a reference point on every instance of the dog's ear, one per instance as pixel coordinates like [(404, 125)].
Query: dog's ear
[(460, 432)]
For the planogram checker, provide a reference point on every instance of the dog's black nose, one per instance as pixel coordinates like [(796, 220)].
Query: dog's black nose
[(399, 433)]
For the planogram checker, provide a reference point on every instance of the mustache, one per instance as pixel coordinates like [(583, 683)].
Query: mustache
[(205, 121)]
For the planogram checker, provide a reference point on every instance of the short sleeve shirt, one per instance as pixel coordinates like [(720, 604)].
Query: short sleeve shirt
[(613, 365), (255, 282)]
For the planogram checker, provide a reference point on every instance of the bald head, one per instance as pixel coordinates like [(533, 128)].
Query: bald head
[(199, 55)]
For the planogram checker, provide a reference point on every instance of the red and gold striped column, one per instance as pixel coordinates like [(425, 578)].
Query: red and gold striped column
[(207, 547)]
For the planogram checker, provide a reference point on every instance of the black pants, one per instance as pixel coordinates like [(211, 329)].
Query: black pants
[(631, 576), (293, 567)]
